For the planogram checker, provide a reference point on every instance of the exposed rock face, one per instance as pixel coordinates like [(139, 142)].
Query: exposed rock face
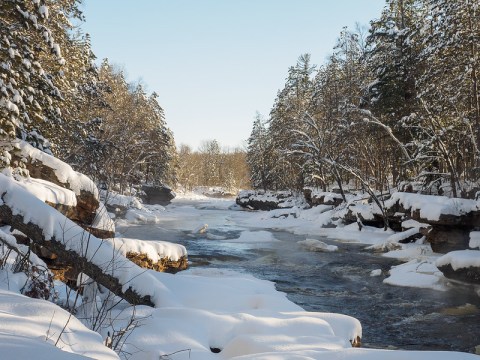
[(470, 274), (315, 198), (443, 238), (219, 193), (154, 194), (448, 221), (46, 167), (163, 265), (265, 200), (78, 262)]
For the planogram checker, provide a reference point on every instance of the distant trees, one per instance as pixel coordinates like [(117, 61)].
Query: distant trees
[(397, 105), (211, 165)]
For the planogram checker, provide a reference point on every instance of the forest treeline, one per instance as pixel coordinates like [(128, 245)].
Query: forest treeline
[(396, 104), (53, 95), (212, 165)]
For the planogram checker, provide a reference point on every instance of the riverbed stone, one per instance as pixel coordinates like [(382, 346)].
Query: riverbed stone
[(265, 200), (315, 198), (444, 238), (470, 274), (157, 194)]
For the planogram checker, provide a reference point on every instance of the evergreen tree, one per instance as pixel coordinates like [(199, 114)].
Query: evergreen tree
[(286, 117), (258, 157), (31, 35)]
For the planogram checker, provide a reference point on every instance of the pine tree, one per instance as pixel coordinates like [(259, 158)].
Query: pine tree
[(286, 116), (258, 157), (449, 93), (31, 63)]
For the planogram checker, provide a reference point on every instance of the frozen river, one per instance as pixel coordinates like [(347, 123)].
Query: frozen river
[(340, 282)]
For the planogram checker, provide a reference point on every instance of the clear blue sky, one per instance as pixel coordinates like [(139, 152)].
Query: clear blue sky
[(214, 63)]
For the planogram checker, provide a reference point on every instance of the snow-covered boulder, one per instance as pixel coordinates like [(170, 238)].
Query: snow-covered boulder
[(54, 171), (317, 245), (314, 198), (265, 200), (462, 265), (445, 222), (157, 194), (156, 255), (32, 329)]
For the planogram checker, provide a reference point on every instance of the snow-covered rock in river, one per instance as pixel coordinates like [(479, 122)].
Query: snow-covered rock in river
[(156, 255), (157, 194), (462, 265), (265, 200), (317, 245), (474, 240), (119, 204), (445, 222)]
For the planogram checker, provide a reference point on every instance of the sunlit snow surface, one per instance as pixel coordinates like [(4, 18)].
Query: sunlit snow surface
[(204, 309), (29, 328), (247, 318)]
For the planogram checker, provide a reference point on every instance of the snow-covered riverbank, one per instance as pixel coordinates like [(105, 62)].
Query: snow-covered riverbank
[(206, 310)]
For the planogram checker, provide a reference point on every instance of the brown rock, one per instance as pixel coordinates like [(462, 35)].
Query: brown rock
[(313, 199), (87, 200), (264, 200), (157, 194), (447, 238), (163, 265)]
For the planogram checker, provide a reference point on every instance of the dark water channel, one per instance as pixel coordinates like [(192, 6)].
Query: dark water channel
[(396, 317)]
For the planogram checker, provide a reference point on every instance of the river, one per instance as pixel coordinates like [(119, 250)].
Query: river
[(391, 317)]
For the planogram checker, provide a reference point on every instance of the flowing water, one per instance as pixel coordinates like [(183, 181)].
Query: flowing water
[(391, 317)]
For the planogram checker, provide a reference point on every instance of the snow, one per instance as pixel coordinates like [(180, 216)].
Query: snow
[(474, 239), (237, 313), (114, 199), (58, 227), (204, 308), (142, 216), (431, 207), (155, 250), (395, 239), (376, 272), (49, 192), (102, 219), (410, 223), (29, 329), (460, 259), (317, 245), (136, 212), (65, 174), (43, 10), (417, 273)]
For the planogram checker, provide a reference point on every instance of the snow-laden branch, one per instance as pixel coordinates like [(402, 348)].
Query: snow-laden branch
[(371, 119)]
